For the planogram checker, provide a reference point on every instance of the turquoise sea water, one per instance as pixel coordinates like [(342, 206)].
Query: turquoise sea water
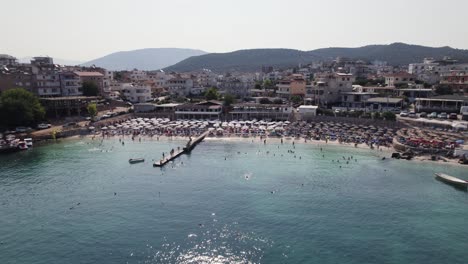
[(228, 202)]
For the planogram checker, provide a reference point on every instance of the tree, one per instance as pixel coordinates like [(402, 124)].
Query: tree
[(90, 89), (228, 100), (267, 84), (258, 86), (278, 101), (212, 94), (443, 90), (296, 99), (92, 109), (389, 116), (264, 101), (19, 107)]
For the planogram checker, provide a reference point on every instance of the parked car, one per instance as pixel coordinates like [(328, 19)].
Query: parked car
[(453, 116), (22, 129), (423, 114), (70, 124), (433, 115), (105, 116), (442, 115), (412, 115), (44, 126), (404, 114)]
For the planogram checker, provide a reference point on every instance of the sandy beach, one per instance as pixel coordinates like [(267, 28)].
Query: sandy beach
[(381, 152)]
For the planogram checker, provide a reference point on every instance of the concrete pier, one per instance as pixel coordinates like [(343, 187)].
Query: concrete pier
[(187, 149)]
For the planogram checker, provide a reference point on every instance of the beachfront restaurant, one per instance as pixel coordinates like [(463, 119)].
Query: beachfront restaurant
[(355, 100), (442, 103), (249, 111), (209, 110), (380, 104)]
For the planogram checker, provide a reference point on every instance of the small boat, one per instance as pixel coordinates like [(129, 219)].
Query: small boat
[(133, 161), (22, 145), (452, 180), (29, 142)]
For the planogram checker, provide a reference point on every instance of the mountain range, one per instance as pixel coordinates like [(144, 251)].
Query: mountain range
[(144, 59), (253, 59)]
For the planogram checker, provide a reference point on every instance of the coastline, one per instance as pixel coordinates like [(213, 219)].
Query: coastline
[(381, 152)]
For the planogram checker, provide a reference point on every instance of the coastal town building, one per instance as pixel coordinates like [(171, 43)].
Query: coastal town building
[(292, 85), (249, 111), (137, 93), (67, 106), (179, 85), (384, 104), (399, 78), (7, 60), (380, 90), (412, 93), (209, 110), (93, 77), (441, 103), (307, 112), (71, 84), (235, 86), (327, 87), (355, 100), (457, 80), (17, 76), (138, 76), (46, 77)]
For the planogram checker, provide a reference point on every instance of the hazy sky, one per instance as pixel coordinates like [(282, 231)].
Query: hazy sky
[(87, 29)]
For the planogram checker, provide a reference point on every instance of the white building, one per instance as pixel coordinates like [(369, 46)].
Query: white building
[(328, 87), (399, 78), (71, 84), (138, 76), (179, 85), (107, 82), (137, 93), (48, 84), (307, 111)]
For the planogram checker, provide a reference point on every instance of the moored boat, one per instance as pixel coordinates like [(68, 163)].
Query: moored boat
[(29, 142), (133, 161), (452, 180), (22, 145)]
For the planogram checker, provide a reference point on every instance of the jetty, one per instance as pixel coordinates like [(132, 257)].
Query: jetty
[(191, 144)]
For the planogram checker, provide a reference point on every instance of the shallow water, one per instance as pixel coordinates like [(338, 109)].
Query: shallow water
[(80, 201)]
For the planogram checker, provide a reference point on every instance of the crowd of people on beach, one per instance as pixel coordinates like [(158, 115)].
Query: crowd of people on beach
[(343, 133)]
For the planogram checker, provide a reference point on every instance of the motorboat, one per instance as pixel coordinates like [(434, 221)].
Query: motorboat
[(22, 145), (138, 160), (452, 180), (29, 142)]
